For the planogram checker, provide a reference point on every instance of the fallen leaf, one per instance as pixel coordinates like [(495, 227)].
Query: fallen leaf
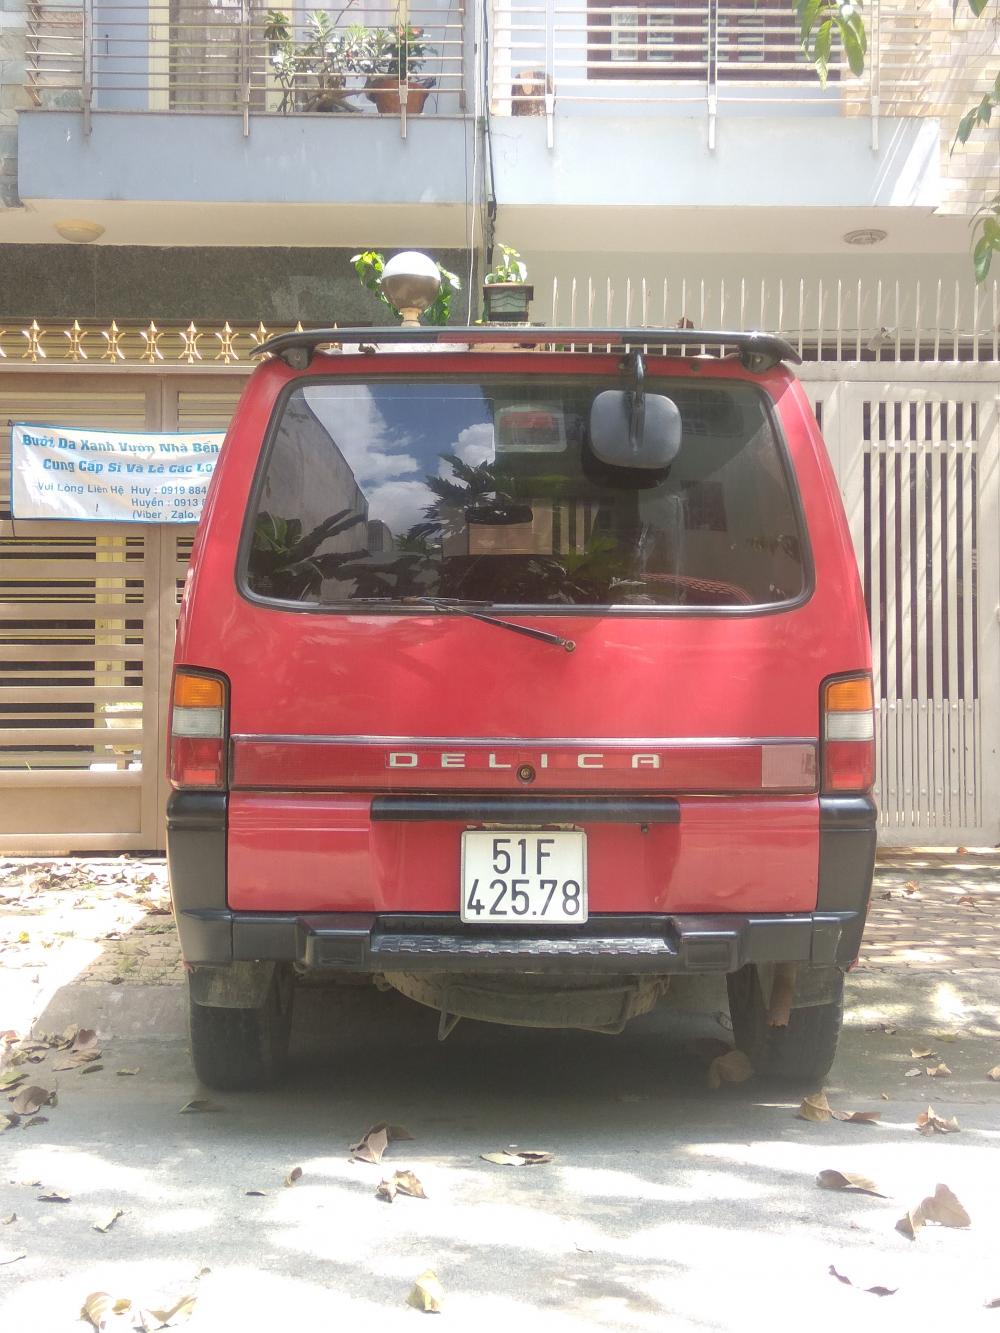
[(427, 1293), (53, 1196), (994, 1074), (843, 1180), (815, 1108), (255, 1194), (32, 1099), (84, 1040), (407, 1183), (733, 1067), (293, 1175), (6, 1221), (127, 1072), (939, 1071), (922, 1053), (105, 1223), (10, 1079), (92, 1069), (11, 1256), (941, 1207), (928, 1122), (967, 900), (913, 1073), (875, 1290), (858, 1117), (372, 1146), (386, 1190), (517, 1157), (911, 889), (182, 1310), (200, 1104), (884, 1096)]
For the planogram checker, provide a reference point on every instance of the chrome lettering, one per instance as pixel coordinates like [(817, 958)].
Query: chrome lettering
[(583, 761), (453, 760), (645, 761), (402, 759), (493, 762), (543, 761)]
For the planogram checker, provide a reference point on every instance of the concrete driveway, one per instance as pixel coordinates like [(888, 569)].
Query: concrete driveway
[(665, 1206)]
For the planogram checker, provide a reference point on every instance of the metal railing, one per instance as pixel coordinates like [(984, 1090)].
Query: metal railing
[(708, 53), (242, 58)]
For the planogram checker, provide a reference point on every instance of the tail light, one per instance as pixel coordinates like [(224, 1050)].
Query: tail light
[(848, 734), (198, 731)]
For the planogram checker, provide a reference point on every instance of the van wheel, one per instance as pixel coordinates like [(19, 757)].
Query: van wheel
[(801, 1052), (243, 1048)]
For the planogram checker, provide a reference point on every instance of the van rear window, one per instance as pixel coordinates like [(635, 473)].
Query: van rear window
[(488, 490)]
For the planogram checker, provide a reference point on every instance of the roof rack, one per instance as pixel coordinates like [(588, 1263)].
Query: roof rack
[(758, 352)]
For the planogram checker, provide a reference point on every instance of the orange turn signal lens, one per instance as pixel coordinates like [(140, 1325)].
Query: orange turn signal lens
[(849, 696), (198, 691)]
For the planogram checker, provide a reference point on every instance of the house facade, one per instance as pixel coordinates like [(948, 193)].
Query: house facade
[(180, 178)]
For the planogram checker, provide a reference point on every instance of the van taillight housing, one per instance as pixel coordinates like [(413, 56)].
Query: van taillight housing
[(848, 734), (199, 727)]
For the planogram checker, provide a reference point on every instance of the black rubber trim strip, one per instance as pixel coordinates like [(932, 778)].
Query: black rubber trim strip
[(361, 942), (525, 809), (847, 812), (196, 810), (847, 838), (196, 862)]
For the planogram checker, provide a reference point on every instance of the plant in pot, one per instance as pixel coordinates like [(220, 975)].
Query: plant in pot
[(369, 265), (506, 290), (311, 73), (396, 56)]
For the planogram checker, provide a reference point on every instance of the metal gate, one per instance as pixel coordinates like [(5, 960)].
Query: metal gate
[(917, 460), (87, 616)]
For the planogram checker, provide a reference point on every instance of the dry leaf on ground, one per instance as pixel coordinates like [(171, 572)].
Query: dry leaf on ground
[(733, 1067), (91, 1069), (941, 1207), (293, 1175), (517, 1157), (815, 1108), (54, 1196), (104, 1224), (125, 1073), (928, 1122), (11, 1256), (876, 1290), (6, 1221), (154, 1319), (101, 1308), (374, 1141), (913, 1073), (844, 1180), (255, 1194), (11, 1078), (200, 1104), (386, 1190), (32, 1099), (911, 889), (967, 900), (994, 1074), (939, 1071), (858, 1117), (922, 1053), (427, 1293)]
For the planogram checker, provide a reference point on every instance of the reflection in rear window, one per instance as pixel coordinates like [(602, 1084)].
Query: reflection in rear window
[(489, 490)]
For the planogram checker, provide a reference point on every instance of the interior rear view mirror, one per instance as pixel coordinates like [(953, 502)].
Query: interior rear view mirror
[(499, 513), (630, 428)]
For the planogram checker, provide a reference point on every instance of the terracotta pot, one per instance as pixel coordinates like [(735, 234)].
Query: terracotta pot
[(385, 89)]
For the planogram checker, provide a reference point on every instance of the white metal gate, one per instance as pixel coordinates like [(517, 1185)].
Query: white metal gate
[(917, 461)]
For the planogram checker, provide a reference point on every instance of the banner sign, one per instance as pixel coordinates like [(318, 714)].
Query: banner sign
[(110, 476)]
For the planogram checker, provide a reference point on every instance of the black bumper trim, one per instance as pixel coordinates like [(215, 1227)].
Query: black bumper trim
[(527, 809), (847, 836), (658, 945)]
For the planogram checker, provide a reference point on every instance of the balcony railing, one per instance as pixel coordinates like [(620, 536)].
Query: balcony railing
[(581, 54), (238, 57)]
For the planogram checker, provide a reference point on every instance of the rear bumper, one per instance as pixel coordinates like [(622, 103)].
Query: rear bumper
[(212, 933), (647, 945)]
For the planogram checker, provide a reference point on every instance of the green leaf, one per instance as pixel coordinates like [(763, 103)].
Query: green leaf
[(824, 40), (854, 50), (808, 13), (982, 257), (977, 6)]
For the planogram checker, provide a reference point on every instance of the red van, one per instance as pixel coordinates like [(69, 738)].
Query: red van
[(523, 677)]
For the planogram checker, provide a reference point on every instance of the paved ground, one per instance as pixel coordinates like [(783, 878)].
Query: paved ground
[(666, 1205)]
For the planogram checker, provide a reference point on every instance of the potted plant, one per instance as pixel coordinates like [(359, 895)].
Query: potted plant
[(396, 56), (506, 291), (312, 73)]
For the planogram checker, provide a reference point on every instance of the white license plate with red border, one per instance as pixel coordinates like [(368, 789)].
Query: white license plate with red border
[(531, 877)]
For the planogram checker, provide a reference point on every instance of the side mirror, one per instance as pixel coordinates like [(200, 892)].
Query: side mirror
[(630, 428)]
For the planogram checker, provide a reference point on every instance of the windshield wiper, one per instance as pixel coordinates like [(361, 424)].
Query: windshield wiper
[(461, 606)]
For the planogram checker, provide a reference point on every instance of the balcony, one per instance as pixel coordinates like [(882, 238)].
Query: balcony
[(157, 110)]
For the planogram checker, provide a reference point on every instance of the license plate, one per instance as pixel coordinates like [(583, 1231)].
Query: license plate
[(526, 877)]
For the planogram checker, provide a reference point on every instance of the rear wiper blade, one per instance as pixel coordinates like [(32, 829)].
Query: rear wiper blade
[(461, 607)]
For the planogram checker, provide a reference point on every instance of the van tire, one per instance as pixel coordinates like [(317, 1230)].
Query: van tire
[(803, 1051), (243, 1048)]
